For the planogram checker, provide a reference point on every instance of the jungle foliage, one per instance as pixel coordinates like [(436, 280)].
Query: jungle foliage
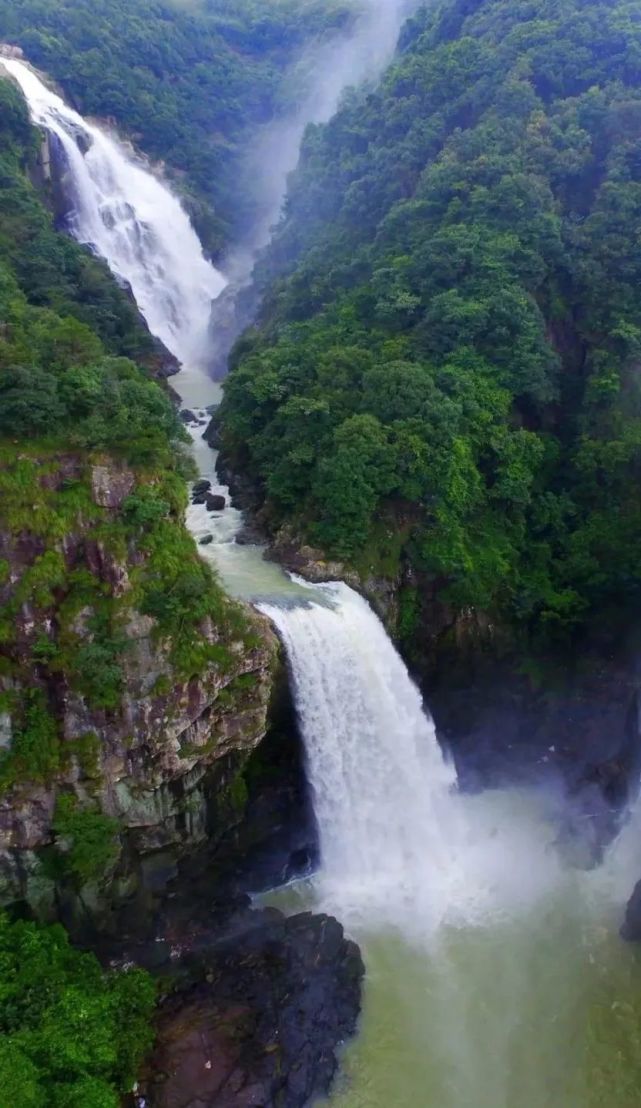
[(452, 330), (71, 1034)]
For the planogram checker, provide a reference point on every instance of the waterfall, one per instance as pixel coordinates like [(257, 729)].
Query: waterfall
[(133, 221), (400, 847)]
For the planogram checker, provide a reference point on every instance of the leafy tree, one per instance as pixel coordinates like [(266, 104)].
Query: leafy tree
[(458, 262), (71, 1034)]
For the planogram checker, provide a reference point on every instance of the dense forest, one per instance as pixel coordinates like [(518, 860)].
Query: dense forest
[(189, 82), (446, 370)]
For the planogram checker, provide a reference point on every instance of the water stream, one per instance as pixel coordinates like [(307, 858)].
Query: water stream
[(496, 978)]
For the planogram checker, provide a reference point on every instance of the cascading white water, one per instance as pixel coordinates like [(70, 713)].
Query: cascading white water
[(133, 221), (399, 845)]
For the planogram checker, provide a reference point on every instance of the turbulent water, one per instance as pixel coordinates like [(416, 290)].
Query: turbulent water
[(496, 978), (399, 845)]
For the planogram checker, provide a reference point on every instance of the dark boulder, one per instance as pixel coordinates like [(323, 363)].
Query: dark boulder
[(261, 1019), (631, 927), (200, 486), (206, 540), (211, 434), (250, 534), (215, 502), (186, 415)]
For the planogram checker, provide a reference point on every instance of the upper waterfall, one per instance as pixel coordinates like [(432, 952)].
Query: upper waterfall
[(133, 221)]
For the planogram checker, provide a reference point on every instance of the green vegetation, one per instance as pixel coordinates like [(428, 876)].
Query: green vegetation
[(90, 839), (71, 1035), (190, 81), (453, 325), (73, 405)]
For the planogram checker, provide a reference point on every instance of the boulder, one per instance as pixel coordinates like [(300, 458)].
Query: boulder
[(631, 927), (200, 486), (186, 415), (206, 540), (261, 1023), (215, 502)]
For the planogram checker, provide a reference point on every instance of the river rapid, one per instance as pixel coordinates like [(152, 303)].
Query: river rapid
[(495, 974)]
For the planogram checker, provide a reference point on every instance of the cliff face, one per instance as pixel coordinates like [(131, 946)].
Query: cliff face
[(119, 754)]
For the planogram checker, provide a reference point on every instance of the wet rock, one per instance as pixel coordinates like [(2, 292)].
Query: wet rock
[(215, 502), (200, 487), (250, 535), (187, 415), (211, 433), (206, 540), (631, 927), (261, 1023)]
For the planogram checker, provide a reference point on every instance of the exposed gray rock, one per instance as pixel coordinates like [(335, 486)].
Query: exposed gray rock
[(110, 485)]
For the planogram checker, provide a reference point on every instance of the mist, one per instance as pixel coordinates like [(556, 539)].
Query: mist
[(325, 70)]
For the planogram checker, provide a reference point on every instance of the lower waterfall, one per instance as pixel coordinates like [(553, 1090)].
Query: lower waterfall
[(399, 845)]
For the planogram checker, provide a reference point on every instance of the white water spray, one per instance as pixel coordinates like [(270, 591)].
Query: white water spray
[(326, 70), (399, 845), (133, 221)]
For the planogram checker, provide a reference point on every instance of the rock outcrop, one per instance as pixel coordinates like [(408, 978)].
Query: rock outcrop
[(260, 1018), (113, 722)]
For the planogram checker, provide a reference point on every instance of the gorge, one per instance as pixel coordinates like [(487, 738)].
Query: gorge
[(495, 976)]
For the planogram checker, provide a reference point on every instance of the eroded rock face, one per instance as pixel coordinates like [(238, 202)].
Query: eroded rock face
[(261, 1022), (110, 485), (163, 762)]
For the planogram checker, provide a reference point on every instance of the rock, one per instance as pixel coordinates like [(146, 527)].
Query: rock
[(110, 485), (186, 415), (199, 498), (261, 1024), (201, 486), (249, 535), (215, 502), (206, 540), (211, 433), (631, 927)]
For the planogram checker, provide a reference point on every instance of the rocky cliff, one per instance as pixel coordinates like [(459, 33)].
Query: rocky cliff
[(123, 740)]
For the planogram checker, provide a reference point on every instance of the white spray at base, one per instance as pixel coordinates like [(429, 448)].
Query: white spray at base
[(400, 846)]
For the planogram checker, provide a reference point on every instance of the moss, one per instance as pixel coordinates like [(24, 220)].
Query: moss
[(86, 750), (238, 793), (409, 605), (89, 843), (35, 752), (381, 556), (162, 686)]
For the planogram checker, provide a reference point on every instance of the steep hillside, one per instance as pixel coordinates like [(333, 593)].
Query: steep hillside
[(190, 82), (132, 687), (444, 385)]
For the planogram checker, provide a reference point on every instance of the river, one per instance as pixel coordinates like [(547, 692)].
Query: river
[(495, 974)]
